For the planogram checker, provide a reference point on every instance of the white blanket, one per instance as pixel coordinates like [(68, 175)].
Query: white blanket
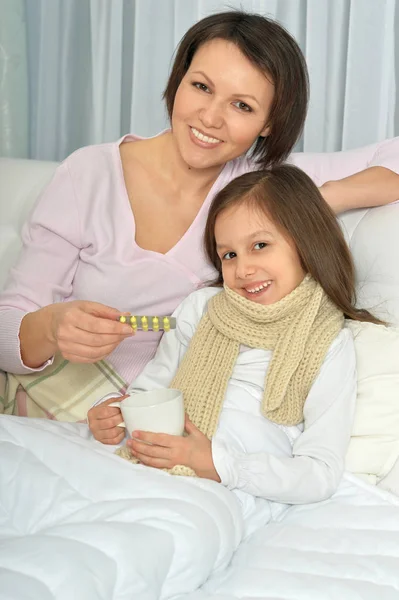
[(77, 522), (346, 548)]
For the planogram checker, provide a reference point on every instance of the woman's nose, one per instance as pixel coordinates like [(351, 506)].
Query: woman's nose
[(211, 115)]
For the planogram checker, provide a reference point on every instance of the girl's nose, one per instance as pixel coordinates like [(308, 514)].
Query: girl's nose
[(244, 269)]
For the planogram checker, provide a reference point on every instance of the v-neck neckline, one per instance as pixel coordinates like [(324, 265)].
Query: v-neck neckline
[(124, 193)]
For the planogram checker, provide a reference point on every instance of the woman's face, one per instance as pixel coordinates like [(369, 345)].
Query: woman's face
[(221, 106)]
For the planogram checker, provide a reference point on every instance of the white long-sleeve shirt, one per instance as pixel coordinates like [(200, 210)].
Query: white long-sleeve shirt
[(252, 455)]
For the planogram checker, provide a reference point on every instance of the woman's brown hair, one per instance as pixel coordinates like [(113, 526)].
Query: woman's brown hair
[(272, 50), (294, 204)]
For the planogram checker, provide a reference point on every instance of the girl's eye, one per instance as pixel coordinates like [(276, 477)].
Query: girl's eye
[(201, 86), (260, 245), (242, 106), (229, 255)]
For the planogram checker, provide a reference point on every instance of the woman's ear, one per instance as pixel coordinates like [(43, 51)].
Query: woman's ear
[(265, 131)]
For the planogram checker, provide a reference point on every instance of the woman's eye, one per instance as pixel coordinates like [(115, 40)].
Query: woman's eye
[(242, 106), (260, 245), (201, 86), (229, 255)]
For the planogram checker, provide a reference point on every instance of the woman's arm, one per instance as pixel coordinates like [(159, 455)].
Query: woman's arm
[(43, 275), (34, 320), (318, 455), (359, 178), (374, 186)]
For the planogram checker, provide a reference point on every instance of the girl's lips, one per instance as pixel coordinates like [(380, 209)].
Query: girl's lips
[(256, 286), (254, 296)]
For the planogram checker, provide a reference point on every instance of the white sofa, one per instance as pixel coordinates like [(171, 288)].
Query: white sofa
[(20, 184), (373, 235)]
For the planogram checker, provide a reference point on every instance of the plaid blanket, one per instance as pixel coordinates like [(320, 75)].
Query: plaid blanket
[(63, 391)]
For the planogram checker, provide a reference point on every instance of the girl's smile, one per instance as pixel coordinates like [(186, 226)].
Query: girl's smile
[(258, 260), (257, 288)]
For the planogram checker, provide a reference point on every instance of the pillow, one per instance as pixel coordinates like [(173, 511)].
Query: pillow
[(374, 445), (390, 483)]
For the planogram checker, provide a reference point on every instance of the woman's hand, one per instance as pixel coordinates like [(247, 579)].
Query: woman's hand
[(85, 332), (103, 422), (167, 451)]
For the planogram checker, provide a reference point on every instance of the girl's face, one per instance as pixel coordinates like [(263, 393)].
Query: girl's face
[(258, 261), (221, 106)]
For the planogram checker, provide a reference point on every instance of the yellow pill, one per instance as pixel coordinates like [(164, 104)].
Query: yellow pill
[(133, 320), (166, 324), (155, 324), (144, 323), (122, 319)]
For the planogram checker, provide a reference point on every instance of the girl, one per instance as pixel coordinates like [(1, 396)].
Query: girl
[(120, 226), (266, 366)]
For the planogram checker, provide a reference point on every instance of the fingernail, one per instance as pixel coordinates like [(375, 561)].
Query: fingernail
[(127, 330), (136, 434)]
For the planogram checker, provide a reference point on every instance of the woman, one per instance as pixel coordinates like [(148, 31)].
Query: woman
[(120, 226)]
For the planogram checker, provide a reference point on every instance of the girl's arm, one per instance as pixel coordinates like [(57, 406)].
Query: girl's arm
[(160, 371), (359, 178), (318, 455)]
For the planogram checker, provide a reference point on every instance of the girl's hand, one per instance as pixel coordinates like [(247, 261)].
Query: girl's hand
[(85, 332), (167, 451), (103, 422)]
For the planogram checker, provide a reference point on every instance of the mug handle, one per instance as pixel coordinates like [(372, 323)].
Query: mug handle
[(117, 405)]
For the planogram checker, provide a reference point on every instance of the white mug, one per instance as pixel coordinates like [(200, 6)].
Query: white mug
[(157, 411)]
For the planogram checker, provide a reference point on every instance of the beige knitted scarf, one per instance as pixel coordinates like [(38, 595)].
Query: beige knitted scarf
[(298, 329)]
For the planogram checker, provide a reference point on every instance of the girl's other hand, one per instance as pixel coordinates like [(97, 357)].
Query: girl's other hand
[(103, 421), (167, 451)]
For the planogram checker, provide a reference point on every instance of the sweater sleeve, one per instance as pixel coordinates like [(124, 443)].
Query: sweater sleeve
[(330, 166), (46, 266), (315, 468)]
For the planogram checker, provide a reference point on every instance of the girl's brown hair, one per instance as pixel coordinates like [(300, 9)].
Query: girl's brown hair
[(294, 204), (270, 48)]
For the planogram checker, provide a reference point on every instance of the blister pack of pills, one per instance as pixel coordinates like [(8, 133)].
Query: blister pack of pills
[(147, 323)]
